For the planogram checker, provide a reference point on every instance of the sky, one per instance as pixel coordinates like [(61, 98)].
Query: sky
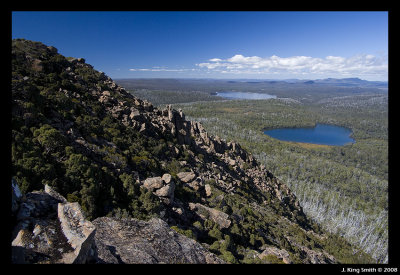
[(211, 44)]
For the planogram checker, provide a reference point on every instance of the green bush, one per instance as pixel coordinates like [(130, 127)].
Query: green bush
[(188, 233), (228, 257), (215, 233), (49, 138), (272, 259)]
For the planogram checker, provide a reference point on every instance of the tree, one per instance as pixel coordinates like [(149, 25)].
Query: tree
[(49, 138)]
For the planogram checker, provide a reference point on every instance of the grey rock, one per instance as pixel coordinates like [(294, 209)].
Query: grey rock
[(78, 231), (153, 183), (132, 241), (166, 191), (167, 178), (134, 113), (313, 256), (197, 184), (54, 194), (221, 218), (279, 253), (51, 230), (162, 187), (16, 196), (37, 236), (207, 188), (186, 176)]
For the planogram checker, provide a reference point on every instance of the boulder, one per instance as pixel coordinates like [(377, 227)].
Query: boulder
[(219, 217), (132, 241), (134, 113), (167, 178), (279, 253), (207, 188), (106, 93), (231, 162), (153, 183), (186, 176), (54, 194), (166, 191), (16, 196), (162, 187), (78, 231), (22, 238), (197, 184)]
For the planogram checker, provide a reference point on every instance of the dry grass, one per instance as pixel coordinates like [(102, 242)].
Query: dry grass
[(310, 145)]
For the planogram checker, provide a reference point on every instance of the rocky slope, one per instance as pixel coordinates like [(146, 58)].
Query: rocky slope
[(62, 235), (155, 186)]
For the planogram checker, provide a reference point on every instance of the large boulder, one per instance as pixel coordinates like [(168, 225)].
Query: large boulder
[(132, 241)]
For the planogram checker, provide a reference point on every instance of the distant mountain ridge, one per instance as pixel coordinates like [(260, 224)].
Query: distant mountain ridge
[(129, 165), (355, 82), (298, 89)]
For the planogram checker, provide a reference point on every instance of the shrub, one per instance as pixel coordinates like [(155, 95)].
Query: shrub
[(228, 257), (188, 233), (272, 259), (49, 138)]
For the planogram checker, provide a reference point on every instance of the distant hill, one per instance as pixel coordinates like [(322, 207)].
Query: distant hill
[(190, 90), (350, 82)]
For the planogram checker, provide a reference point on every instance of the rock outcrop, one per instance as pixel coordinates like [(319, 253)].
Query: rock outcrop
[(163, 187), (51, 230), (78, 231), (279, 253), (220, 218), (131, 241), (48, 229)]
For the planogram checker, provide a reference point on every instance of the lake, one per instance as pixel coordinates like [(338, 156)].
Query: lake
[(244, 95), (321, 134)]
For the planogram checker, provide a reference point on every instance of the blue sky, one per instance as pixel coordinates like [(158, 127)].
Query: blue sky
[(265, 45)]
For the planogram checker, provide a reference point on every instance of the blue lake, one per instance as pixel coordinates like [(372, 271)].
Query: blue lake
[(321, 134), (244, 95)]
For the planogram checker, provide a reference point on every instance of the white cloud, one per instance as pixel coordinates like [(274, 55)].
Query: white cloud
[(159, 69), (215, 59), (358, 65), (365, 66)]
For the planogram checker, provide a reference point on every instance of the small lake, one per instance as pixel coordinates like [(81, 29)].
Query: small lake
[(321, 134), (244, 95)]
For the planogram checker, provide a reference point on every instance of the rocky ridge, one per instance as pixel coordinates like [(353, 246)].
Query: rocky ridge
[(217, 193)]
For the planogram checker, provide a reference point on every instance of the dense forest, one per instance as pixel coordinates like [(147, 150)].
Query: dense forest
[(344, 188)]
